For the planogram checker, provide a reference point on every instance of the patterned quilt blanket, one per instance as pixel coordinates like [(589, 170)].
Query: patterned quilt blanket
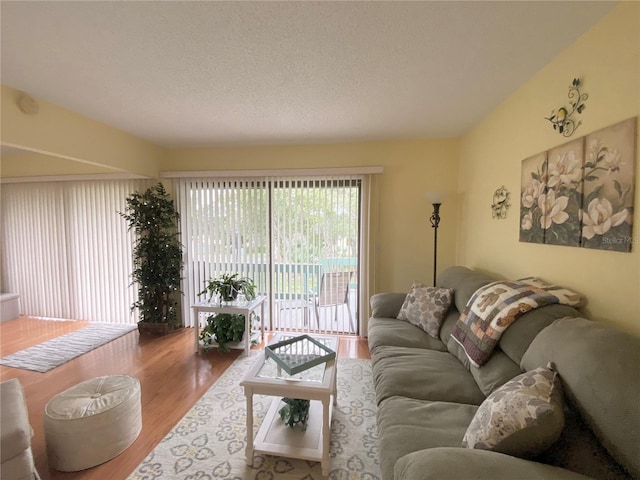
[(497, 305)]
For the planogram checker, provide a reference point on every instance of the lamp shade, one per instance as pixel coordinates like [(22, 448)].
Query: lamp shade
[(437, 197)]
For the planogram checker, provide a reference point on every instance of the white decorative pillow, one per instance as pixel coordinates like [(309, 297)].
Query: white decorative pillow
[(426, 307), (523, 417)]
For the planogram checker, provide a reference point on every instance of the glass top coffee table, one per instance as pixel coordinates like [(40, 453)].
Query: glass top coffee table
[(317, 383)]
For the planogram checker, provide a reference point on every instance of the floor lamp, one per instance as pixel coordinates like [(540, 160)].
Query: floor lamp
[(436, 199), (435, 221)]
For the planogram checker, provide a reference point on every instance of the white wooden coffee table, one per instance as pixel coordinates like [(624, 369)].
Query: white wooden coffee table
[(317, 384)]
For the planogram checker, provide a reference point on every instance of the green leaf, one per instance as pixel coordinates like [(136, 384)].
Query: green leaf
[(618, 188)]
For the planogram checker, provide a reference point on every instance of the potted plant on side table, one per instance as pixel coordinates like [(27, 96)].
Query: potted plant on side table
[(226, 328), (157, 258), (228, 286)]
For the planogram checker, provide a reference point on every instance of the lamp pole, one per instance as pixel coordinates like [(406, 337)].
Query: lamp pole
[(435, 221)]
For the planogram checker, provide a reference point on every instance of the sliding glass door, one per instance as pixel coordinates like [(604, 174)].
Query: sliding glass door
[(315, 225), (297, 238)]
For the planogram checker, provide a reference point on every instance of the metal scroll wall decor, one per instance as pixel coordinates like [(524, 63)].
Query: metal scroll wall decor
[(581, 193), (563, 120), (501, 203)]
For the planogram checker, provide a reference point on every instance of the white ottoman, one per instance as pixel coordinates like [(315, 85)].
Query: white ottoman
[(92, 422)]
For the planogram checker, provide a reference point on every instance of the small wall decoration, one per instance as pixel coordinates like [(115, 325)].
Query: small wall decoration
[(501, 203), (562, 120), (581, 193)]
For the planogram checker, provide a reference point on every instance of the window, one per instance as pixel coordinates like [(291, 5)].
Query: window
[(66, 250)]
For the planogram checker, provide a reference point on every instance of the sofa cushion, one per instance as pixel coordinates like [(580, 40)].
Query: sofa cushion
[(455, 349), (464, 282), (422, 374), (425, 307), (406, 425), (456, 463), (498, 370), (516, 339), (600, 371), (394, 332), (448, 323), (387, 304), (522, 418), (579, 450)]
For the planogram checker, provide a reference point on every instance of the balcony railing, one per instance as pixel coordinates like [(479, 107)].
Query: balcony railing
[(295, 293)]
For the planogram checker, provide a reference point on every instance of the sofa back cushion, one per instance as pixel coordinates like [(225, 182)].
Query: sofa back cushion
[(516, 339), (387, 304), (499, 369), (464, 282), (600, 370)]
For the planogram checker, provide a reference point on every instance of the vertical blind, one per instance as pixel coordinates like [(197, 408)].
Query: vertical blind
[(224, 227), (66, 249), (283, 232)]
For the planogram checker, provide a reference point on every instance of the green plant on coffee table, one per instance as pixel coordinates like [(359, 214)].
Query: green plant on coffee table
[(228, 285), (224, 329), (295, 411)]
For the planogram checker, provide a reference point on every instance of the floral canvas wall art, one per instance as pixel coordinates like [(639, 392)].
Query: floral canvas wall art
[(581, 193), (607, 208), (533, 181), (563, 196)]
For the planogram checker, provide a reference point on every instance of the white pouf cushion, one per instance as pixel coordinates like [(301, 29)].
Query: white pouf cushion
[(92, 422)]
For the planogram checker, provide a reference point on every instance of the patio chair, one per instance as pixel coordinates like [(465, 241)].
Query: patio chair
[(333, 292)]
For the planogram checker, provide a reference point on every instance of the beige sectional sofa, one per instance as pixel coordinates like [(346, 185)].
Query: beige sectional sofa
[(427, 392)]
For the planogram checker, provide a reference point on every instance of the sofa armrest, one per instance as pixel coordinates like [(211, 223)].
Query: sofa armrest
[(16, 431), (452, 462), (386, 305)]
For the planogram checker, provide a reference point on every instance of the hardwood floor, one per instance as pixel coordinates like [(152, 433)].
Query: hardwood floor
[(171, 375)]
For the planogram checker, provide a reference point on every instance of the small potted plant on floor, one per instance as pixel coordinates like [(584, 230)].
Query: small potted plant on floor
[(228, 286), (223, 329)]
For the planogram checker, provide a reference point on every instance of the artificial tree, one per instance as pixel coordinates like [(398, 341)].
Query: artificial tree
[(157, 256)]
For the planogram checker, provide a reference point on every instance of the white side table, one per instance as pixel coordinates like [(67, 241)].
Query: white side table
[(242, 308)]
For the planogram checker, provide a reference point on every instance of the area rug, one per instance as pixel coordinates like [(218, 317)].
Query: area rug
[(209, 442), (53, 353)]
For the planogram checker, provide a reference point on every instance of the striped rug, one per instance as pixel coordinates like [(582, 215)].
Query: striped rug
[(48, 355)]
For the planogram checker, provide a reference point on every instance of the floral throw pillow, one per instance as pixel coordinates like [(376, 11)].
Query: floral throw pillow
[(523, 418), (426, 307)]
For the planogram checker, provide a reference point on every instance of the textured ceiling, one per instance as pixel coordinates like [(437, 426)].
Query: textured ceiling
[(211, 73)]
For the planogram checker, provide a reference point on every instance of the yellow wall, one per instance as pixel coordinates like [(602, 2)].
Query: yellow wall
[(607, 59), (68, 135), (34, 164), (403, 238)]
